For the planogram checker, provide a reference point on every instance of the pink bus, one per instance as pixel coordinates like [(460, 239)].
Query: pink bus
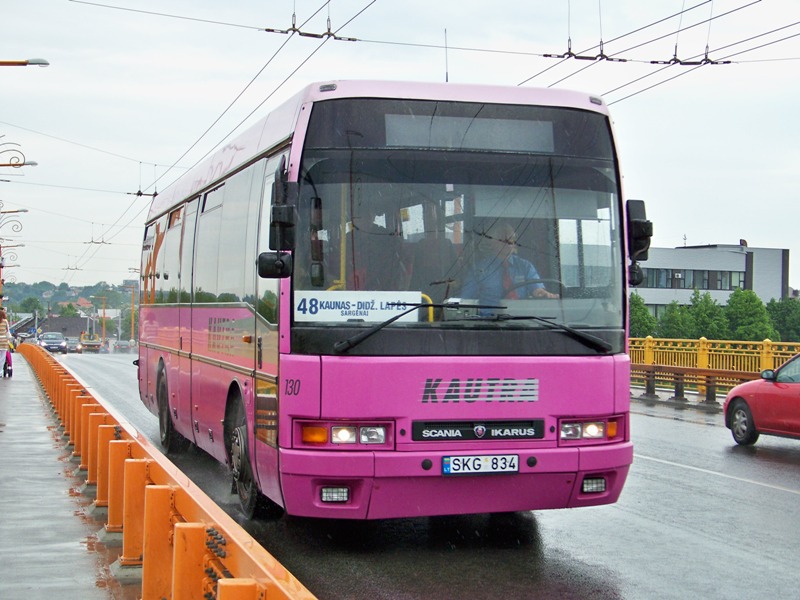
[(398, 300)]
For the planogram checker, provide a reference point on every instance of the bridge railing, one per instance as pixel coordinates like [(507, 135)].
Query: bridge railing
[(174, 537), (728, 355), (707, 367)]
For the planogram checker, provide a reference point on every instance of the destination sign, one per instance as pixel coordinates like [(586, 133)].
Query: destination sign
[(341, 306)]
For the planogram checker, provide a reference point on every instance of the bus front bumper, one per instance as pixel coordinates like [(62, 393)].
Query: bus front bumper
[(383, 485)]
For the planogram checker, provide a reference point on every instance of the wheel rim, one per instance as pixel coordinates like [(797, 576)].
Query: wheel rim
[(238, 453), (163, 411), (740, 424)]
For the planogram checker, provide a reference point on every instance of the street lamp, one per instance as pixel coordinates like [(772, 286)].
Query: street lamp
[(30, 62), (11, 155), (16, 226), (17, 165)]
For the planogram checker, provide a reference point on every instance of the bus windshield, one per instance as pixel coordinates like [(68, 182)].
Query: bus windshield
[(487, 216)]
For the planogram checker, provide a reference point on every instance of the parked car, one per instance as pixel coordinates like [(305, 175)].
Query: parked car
[(769, 405), (53, 341), (74, 345)]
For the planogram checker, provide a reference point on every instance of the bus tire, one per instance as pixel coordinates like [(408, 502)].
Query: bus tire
[(171, 441), (253, 503)]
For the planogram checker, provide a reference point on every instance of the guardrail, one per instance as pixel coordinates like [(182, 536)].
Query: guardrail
[(705, 382), (174, 536), (706, 367), (724, 355)]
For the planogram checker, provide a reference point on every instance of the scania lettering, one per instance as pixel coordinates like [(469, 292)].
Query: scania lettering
[(328, 308)]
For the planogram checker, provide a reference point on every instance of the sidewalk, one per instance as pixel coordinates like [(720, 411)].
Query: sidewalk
[(48, 541)]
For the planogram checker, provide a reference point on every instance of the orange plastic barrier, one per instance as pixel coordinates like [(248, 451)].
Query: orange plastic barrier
[(184, 544)]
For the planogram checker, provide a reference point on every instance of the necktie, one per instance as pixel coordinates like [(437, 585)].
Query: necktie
[(507, 283)]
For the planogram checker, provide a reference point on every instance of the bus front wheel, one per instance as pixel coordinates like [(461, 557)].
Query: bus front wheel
[(253, 503)]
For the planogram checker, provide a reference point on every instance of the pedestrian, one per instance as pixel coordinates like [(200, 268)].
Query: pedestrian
[(5, 337)]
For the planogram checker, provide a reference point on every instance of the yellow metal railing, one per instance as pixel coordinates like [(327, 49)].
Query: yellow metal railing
[(727, 355), (704, 366)]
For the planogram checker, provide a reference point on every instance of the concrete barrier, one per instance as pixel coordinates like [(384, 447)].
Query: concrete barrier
[(175, 539)]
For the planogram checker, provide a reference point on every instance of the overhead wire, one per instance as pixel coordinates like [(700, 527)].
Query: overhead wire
[(152, 185), (680, 29), (238, 96), (160, 14), (279, 85), (796, 23), (333, 36), (637, 30), (275, 90), (88, 147)]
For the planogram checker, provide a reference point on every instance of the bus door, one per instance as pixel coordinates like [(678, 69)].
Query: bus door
[(183, 422), (167, 286), (153, 238), (265, 436)]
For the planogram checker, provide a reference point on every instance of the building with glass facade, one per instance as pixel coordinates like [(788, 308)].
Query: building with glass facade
[(672, 274)]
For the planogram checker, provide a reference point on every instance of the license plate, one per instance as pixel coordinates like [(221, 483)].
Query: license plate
[(468, 465)]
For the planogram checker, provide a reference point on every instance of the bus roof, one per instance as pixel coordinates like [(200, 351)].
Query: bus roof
[(279, 124)]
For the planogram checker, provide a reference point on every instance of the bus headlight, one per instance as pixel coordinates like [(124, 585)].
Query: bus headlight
[(372, 435), (343, 435), (591, 430), (364, 435)]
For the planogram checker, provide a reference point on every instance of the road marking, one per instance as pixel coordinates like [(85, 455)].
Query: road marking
[(717, 473)]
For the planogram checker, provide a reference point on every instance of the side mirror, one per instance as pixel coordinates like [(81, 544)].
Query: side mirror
[(279, 185), (640, 232), (768, 374), (282, 219), (635, 274), (274, 265), (281, 227)]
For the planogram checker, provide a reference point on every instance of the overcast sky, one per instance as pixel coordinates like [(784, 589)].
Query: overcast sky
[(713, 149)]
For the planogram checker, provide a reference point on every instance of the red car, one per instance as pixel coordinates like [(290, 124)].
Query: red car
[(769, 406)]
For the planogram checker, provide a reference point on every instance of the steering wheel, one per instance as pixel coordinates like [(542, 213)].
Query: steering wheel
[(555, 282)]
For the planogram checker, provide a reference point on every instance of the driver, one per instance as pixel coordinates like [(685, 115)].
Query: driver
[(499, 273)]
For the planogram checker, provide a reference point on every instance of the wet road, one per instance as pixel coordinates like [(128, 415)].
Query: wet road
[(699, 518)]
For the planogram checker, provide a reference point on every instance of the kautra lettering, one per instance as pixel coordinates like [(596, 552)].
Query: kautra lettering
[(489, 389)]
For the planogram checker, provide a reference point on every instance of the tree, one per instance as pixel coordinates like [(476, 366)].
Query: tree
[(642, 323), (708, 317), (69, 310), (785, 316), (748, 318), (125, 333), (676, 322), (31, 305)]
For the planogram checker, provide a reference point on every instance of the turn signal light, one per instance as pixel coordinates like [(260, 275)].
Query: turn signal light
[(315, 435)]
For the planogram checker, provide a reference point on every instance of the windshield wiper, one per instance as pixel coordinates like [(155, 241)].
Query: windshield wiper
[(355, 340), (591, 341)]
